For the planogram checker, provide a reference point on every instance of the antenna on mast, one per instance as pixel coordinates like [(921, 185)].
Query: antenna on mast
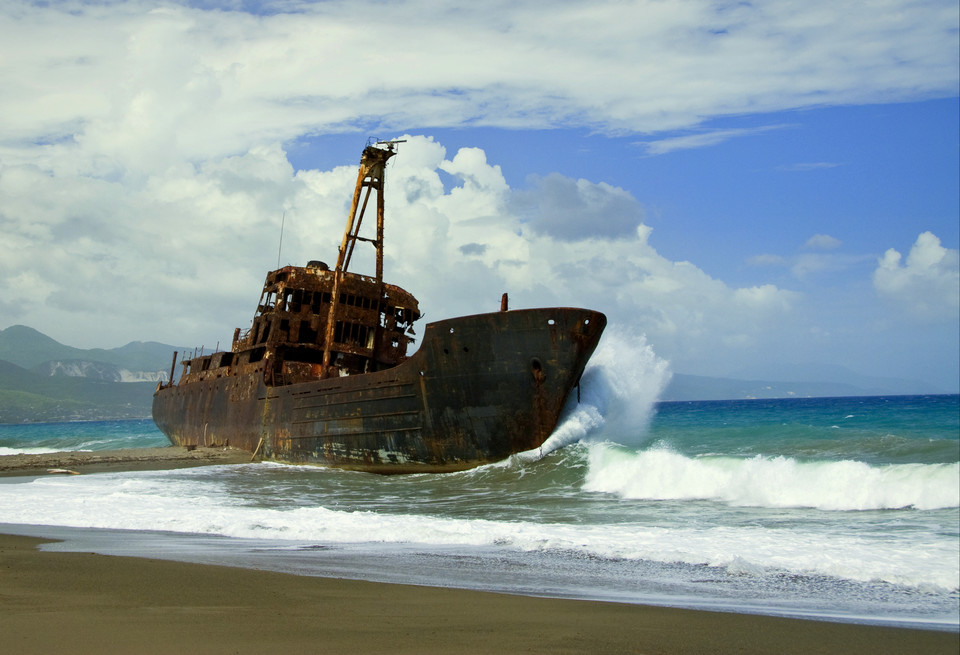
[(280, 247)]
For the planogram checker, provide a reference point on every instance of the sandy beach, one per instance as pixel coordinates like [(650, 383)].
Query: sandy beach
[(88, 603)]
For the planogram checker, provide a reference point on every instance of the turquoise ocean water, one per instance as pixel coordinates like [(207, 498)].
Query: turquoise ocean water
[(839, 508)]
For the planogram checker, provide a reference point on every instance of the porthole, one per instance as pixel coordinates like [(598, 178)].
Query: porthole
[(537, 369)]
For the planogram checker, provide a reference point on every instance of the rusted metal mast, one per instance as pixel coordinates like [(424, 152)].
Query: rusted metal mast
[(373, 163)]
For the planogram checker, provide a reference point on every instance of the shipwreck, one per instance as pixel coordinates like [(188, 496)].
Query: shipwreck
[(323, 375)]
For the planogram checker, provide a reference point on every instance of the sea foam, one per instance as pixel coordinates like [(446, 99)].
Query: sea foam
[(193, 503), (660, 474), (26, 451)]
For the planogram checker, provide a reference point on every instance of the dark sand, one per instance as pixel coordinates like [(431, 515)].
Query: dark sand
[(86, 603), (128, 459)]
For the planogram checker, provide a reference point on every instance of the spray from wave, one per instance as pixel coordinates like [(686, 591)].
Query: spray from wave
[(617, 393)]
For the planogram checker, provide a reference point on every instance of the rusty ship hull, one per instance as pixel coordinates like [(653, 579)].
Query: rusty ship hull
[(478, 389)]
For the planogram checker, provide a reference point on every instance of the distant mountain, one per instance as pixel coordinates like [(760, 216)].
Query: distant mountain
[(695, 387), (26, 396), (136, 361), (15, 377), (42, 379), (835, 373), (78, 368), (26, 347)]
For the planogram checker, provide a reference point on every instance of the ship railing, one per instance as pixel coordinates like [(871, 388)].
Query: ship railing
[(240, 337)]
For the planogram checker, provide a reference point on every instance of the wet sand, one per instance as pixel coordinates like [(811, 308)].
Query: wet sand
[(88, 603), (127, 459)]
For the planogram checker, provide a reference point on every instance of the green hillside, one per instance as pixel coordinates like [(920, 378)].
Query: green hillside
[(27, 347), (27, 396)]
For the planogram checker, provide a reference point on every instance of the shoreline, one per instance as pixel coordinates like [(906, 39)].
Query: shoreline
[(106, 604), (449, 570), (126, 459)]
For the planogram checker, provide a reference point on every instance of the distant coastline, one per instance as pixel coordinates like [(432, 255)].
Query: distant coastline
[(44, 381), (697, 387)]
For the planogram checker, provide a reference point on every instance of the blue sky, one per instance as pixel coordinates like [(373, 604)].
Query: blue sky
[(760, 189), (868, 175)]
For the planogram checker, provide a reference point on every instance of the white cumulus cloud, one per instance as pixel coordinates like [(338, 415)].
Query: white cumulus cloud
[(927, 283)]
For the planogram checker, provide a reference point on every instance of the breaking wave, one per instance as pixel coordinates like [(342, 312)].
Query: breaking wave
[(196, 502), (617, 393), (762, 481), (25, 451)]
